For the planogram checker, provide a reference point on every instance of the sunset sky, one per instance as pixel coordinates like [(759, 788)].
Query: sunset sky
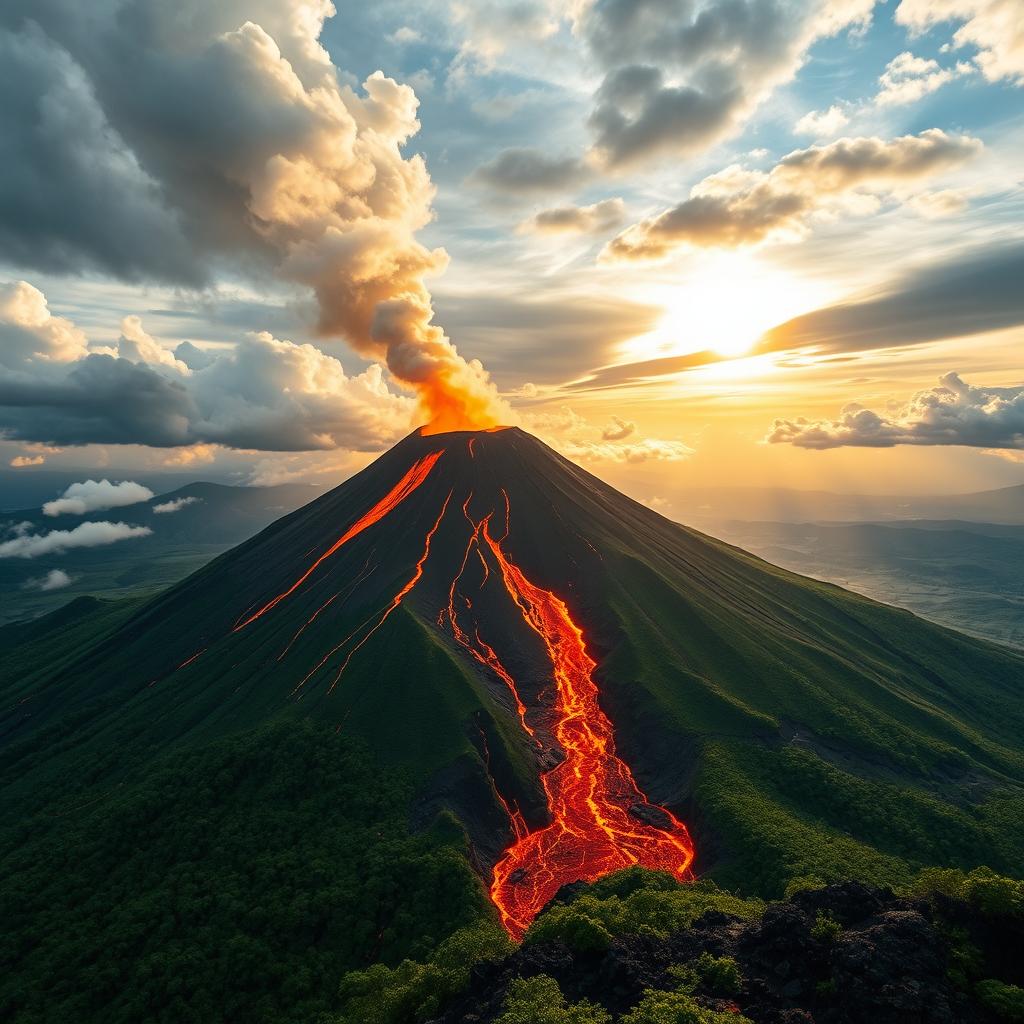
[(729, 242)]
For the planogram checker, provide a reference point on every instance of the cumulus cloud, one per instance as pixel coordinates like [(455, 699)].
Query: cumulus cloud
[(953, 413), (55, 579), (262, 393), (822, 123), (96, 496), (577, 438), (618, 430), (29, 332), (157, 141), (577, 220), (522, 171), (649, 449), (907, 78), (738, 207), (680, 76), (995, 27), (175, 504), (21, 461), (85, 535)]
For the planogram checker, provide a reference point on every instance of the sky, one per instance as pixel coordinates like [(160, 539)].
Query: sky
[(690, 243)]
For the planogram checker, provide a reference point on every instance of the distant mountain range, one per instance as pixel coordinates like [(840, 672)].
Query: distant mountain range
[(966, 575)]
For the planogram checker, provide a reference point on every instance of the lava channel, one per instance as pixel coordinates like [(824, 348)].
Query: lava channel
[(600, 819), (409, 482)]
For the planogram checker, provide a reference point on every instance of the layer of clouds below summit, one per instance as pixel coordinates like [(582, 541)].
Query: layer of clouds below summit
[(953, 413), (96, 496), (54, 542)]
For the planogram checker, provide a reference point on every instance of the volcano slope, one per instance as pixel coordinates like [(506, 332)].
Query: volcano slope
[(469, 675)]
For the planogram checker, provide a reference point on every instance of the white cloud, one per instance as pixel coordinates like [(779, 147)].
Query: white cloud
[(907, 78), (618, 430), (649, 449), (822, 123), (262, 393), (953, 413), (95, 496), (55, 579), (21, 461), (175, 504), (85, 535), (995, 27), (738, 207)]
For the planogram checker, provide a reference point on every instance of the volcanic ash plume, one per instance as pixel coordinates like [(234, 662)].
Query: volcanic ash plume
[(243, 145), (343, 205)]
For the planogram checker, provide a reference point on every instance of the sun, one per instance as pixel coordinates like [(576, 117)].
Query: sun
[(725, 304)]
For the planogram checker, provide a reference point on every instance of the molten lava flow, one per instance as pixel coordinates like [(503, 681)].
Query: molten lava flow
[(412, 479), (601, 821)]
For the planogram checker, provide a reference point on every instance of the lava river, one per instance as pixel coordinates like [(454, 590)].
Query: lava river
[(600, 819)]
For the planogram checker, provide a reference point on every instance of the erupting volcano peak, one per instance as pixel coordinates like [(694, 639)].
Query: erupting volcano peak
[(482, 536)]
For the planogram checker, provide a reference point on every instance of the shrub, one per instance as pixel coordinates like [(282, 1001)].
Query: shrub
[(677, 1008), (411, 991), (635, 902), (720, 975), (826, 928), (1005, 1001), (539, 1000)]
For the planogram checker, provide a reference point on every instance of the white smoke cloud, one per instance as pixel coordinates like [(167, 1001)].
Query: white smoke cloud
[(175, 504), (953, 413), (95, 496), (85, 535)]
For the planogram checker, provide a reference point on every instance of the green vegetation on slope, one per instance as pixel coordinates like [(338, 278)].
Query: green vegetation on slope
[(237, 881)]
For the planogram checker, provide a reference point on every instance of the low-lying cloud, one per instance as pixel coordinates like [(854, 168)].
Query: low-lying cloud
[(55, 542), (95, 496), (739, 207), (175, 504), (55, 579), (953, 413)]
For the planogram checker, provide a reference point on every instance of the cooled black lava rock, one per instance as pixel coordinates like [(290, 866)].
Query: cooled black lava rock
[(885, 960)]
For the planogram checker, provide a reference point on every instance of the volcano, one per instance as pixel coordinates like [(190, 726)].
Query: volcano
[(570, 681)]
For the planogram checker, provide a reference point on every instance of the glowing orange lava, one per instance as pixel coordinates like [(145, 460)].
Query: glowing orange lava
[(601, 821), (412, 479)]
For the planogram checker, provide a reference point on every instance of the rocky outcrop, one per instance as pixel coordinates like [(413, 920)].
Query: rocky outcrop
[(846, 954)]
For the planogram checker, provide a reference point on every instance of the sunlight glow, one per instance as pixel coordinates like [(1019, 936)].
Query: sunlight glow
[(724, 304)]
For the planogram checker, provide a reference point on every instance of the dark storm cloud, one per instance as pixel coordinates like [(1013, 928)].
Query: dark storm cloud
[(71, 192)]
